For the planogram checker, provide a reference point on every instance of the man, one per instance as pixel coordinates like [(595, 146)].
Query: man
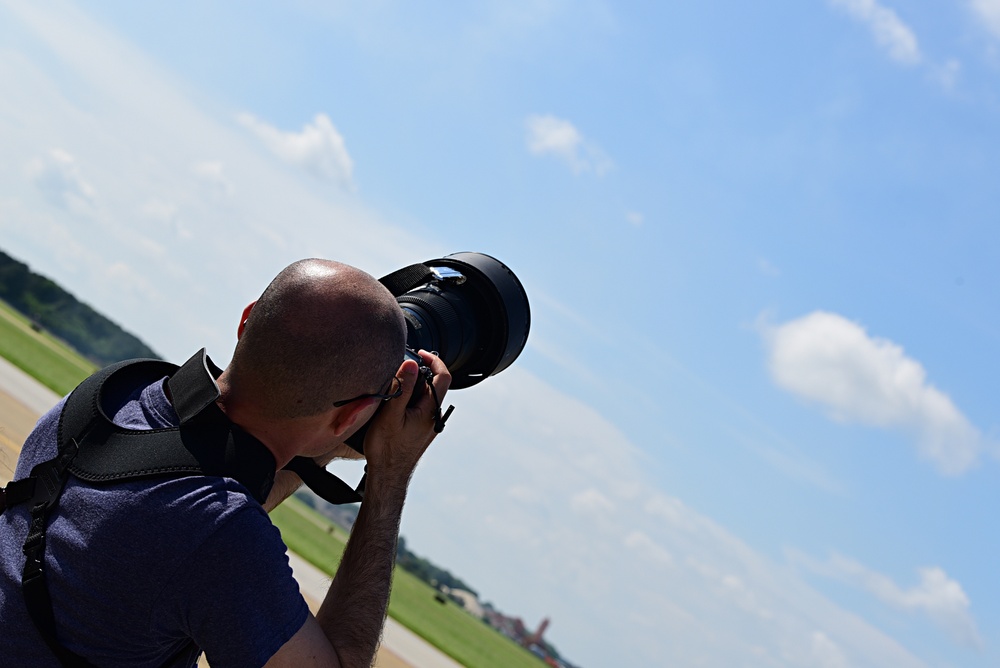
[(148, 572)]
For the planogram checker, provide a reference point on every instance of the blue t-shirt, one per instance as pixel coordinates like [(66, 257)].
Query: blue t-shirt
[(149, 571)]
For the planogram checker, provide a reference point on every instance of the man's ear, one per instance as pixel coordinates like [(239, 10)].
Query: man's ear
[(243, 319), (345, 416)]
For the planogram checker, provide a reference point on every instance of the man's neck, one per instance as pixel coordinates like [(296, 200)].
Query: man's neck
[(276, 435)]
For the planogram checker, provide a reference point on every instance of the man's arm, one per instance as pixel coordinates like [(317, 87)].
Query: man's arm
[(349, 625)]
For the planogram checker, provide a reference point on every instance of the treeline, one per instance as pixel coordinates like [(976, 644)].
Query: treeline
[(426, 571), (50, 307), (344, 516)]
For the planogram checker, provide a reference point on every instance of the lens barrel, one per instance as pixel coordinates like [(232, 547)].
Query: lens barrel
[(474, 314)]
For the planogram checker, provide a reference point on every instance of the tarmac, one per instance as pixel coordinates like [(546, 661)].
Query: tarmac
[(23, 400)]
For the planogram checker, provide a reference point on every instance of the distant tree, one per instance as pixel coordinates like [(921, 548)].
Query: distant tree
[(50, 307)]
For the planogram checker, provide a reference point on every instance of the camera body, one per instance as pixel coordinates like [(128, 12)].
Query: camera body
[(424, 372)]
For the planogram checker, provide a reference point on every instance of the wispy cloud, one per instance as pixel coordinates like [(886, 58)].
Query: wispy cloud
[(988, 14), (948, 74), (319, 148), (787, 460), (59, 179), (827, 653), (143, 158), (583, 523), (166, 215), (213, 174), (889, 31), (648, 549), (767, 268), (591, 501), (937, 596), (559, 138), (825, 358)]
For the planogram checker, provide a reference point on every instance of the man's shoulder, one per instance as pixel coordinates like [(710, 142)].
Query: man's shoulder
[(140, 406), (42, 443)]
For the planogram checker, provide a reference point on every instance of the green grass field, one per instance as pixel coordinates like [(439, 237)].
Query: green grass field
[(38, 354), (446, 626)]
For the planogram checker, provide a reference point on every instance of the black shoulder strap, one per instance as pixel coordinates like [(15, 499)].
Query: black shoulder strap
[(206, 442)]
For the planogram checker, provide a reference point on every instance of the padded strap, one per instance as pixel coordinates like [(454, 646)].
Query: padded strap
[(16, 492), (193, 387), (403, 280), (206, 443)]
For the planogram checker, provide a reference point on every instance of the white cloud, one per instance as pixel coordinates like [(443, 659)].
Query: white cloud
[(212, 173), (889, 31), (523, 493), (825, 358), (648, 549), (635, 218), (591, 501), (166, 216), (58, 177), (730, 587), (827, 653), (319, 148), (767, 268), (709, 596), (787, 460), (988, 12), (551, 136), (936, 596), (947, 74)]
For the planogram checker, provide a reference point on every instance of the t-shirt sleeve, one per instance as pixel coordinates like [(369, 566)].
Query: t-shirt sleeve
[(235, 596)]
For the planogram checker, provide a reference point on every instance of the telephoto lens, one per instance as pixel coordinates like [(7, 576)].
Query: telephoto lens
[(472, 311), (469, 309)]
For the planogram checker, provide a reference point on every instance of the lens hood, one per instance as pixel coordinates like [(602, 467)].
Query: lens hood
[(473, 311)]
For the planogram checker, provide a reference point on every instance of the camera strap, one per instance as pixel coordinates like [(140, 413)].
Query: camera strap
[(403, 280)]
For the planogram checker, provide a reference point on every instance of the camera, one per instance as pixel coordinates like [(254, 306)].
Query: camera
[(469, 309)]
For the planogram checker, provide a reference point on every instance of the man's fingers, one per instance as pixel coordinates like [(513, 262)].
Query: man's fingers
[(442, 377), (416, 396)]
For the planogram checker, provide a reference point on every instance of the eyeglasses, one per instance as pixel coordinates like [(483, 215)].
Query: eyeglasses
[(395, 389)]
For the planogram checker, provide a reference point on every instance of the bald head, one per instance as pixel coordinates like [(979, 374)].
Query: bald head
[(321, 332)]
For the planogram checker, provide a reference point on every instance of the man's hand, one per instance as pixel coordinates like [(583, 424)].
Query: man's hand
[(400, 433)]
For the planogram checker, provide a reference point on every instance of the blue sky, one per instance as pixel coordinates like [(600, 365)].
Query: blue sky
[(755, 421)]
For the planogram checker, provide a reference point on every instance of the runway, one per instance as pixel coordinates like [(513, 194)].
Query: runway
[(23, 400)]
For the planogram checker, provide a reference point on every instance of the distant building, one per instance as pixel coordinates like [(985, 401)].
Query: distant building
[(467, 600)]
